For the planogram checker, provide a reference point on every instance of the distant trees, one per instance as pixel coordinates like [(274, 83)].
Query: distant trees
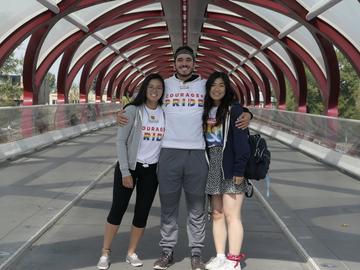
[(349, 99), (10, 92)]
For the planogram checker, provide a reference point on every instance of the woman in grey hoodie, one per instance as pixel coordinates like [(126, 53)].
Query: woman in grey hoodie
[(138, 148)]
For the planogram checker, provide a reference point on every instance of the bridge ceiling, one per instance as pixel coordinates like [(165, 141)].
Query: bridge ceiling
[(259, 43)]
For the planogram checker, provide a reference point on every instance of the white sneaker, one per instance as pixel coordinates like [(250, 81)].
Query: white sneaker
[(215, 263), (104, 262), (134, 260), (231, 265)]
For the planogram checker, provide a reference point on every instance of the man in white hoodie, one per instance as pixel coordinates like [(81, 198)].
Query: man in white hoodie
[(182, 163)]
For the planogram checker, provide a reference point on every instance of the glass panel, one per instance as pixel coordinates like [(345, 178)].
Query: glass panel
[(234, 74), (251, 65), (146, 70), (207, 38), (151, 7), (76, 81), (158, 24), (123, 42), (339, 134), (15, 13), (255, 34), (139, 75), (203, 47), (142, 65), (61, 30), (281, 53), (244, 72), (131, 72), (125, 67), (129, 53), (109, 31), (304, 38), (308, 4), (246, 47), (160, 37), (230, 62), (276, 19), (217, 9), (260, 56), (344, 16), (91, 13), (238, 56), (225, 68), (139, 58), (209, 25), (114, 63), (87, 44), (105, 53), (18, 123)]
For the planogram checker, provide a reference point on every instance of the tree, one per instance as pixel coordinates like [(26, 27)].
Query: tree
[(349, 99), (290, 99), (74, 94), (314, 99), (9, 93), (11, 65)]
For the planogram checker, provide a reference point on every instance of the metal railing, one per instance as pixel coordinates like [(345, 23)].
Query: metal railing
[(17, 123), (342, 135)]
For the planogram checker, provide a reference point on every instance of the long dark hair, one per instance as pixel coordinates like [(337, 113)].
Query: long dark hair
[(225, 102), (140, 99)]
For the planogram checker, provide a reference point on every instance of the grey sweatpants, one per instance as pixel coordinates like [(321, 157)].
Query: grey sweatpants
[(182, 169)]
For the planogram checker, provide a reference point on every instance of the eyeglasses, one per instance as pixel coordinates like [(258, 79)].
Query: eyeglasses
[(155, 88)]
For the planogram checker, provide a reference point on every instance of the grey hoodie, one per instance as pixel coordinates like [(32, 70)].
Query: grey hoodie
[(128, 139)]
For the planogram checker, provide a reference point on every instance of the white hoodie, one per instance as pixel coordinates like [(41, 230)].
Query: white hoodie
[(183, 107)]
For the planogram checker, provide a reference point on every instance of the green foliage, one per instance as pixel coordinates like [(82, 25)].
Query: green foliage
[(11, 65), (50, 80), (290, 99), (9, 94), (314, 99), (74, 94), (349, 99)]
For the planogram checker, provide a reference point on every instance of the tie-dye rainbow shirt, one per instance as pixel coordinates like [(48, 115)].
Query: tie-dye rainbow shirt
[(213, 134)]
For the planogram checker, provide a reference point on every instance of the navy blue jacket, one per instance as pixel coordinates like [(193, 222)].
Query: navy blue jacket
[(237, 150)]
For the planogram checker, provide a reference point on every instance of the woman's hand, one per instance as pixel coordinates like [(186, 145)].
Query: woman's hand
[(243, 120), (238, 179), (121, 118), (128, 182)]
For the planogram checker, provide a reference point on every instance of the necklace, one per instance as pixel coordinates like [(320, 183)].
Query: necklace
[(151, 116)]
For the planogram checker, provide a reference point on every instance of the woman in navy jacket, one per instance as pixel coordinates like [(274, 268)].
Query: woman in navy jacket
[(228, 152)]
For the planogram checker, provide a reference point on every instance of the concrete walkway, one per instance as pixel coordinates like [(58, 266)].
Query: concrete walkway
[(75, 241), (318, 205)]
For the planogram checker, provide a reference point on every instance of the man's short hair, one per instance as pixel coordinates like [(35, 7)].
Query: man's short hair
[(184, 50)]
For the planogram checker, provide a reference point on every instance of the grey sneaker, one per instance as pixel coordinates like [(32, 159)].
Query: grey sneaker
[(197, 263), (166, 259), (134, 260), (104, 262)]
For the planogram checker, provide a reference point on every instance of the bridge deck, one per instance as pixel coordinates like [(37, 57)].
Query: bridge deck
[(319, 205)]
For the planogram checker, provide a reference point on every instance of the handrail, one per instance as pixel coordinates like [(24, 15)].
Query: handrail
[(17, 123), (339, 134)]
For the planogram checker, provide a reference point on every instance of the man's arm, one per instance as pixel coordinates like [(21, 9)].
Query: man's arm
[(243, 120), (121, 118)]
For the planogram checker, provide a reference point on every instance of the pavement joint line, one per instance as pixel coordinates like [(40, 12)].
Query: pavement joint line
[(24, 247), (300, 249)]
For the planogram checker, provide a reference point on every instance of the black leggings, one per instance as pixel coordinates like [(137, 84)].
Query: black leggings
[(145, 180)]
